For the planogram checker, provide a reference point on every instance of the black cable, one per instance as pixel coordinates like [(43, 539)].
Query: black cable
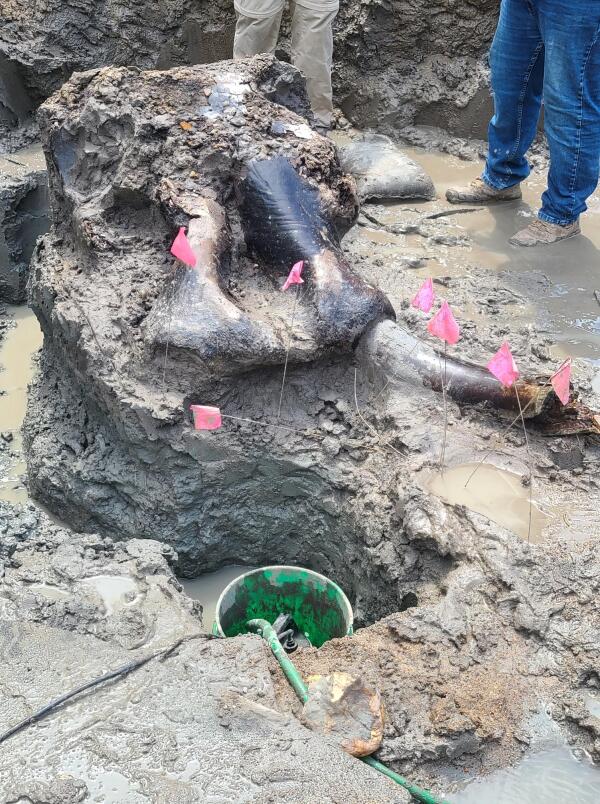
[(118, 673)]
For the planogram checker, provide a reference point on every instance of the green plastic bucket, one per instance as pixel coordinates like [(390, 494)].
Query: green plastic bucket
[(319, 607)]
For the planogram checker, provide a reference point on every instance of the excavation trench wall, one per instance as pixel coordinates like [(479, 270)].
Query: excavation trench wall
[(397, 62), (251, 494)]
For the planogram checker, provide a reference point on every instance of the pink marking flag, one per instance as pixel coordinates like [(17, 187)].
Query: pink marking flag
[(425, 296), (503, 366), (206, 417), (561, 382), (294, 276), (443, 325), (182, 250)]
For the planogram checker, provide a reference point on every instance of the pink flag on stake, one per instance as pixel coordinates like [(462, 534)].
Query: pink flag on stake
[(503, 366), (182, 250), (425, 296), (443, 325), (561, 382), (206, 417), (294, 276)]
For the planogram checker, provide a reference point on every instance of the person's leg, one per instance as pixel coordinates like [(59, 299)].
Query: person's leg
[(571, 31), (517, 67), (257, 27), (312, 53)]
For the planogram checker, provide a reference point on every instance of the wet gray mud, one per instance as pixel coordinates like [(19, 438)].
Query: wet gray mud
[(394, 64), (207, 588), (198, 723), (482, 636)]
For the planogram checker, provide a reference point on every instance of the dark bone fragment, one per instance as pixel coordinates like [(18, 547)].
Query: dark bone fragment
[(402, 358), (283, 223)]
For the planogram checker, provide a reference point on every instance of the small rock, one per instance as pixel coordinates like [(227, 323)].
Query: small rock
[(382, 170)]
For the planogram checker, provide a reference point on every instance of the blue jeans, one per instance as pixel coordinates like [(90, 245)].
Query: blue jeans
[(547, 50)]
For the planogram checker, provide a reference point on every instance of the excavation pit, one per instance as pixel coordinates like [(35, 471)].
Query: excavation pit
[(469, 623)]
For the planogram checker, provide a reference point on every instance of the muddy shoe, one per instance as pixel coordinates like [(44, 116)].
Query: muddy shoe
[(478, 192), (542, 233)]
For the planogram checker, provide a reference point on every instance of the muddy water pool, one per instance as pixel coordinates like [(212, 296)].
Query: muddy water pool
[(207, 588), (553, 776), (496, 493), (568, 311), (555, 284), (17, 350)]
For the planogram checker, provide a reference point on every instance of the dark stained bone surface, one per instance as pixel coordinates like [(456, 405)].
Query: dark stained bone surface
[(135, 154)]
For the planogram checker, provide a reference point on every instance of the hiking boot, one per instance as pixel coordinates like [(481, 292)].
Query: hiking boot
[(542, 233), (478, 192)]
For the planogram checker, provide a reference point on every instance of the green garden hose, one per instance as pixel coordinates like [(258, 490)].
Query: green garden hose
[(268, 633), (417, 793), (264, 629)]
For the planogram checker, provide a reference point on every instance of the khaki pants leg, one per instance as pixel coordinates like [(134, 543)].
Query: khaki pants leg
[(312, 54), (256, 35)]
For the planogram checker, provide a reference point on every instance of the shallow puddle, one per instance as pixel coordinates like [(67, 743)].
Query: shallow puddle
[(384, 238), (569, 311), (116, 591), (554, 776), (592, 703), (207, 588), (50, 592), (19, 346), (496, 493), (31, 158), (557, 282), (103, 786)]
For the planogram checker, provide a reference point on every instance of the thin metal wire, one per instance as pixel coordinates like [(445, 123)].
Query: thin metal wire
[(530, 464), (517, 418), (445, 398), (368, 424), (263, 424), (287, 351), (378, 394), (89, 323), (164, 376)]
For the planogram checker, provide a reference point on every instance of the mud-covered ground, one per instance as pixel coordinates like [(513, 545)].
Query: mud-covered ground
[(483, 632), (504, 635), (497, 650), (185, 719)]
